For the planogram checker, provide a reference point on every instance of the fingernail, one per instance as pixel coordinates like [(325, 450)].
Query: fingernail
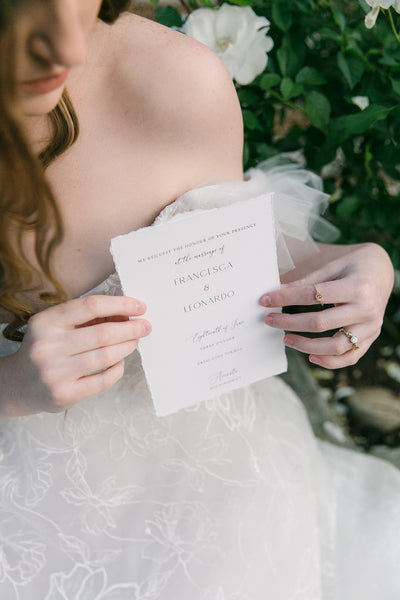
[(146, 327), (315, 360), (288, 342), (269, 319), (140, 306), (266, 300)]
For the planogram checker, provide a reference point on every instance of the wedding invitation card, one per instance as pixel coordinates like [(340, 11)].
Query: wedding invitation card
[(201, 276)]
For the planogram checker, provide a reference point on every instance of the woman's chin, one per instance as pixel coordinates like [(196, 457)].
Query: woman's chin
[(35, 105)]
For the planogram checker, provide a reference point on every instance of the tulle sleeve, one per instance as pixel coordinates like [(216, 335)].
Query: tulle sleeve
[(299, 201)]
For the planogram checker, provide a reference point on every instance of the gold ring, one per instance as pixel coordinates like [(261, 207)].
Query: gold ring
[(353, 338), (318, 296)]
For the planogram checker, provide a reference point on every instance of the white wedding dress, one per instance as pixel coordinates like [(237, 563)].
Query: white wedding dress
[(233, 499)]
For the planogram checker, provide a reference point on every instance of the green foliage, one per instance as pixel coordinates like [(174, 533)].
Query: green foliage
[(168, 15), (318, 109), (323, 58)]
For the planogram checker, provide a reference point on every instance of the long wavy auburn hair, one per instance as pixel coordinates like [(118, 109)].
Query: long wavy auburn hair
[(27, 203)]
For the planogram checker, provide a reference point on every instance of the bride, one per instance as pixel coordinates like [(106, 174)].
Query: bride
[(233, 498)]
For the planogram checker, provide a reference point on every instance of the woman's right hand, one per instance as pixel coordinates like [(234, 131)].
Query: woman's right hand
[(75, 350)]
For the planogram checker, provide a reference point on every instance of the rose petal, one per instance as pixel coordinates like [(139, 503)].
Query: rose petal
[(370, 18), (200, 25), (380, 3), (229, 21), (256, 61)]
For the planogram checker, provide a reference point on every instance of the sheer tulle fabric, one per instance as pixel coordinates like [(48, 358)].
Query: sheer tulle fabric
[(233, 499), (298, 203)]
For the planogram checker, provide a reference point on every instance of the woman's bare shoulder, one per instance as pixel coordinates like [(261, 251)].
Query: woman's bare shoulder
[(145, 50), (171, 84)]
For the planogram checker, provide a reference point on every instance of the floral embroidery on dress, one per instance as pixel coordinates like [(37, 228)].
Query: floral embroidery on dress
[(22, 551)]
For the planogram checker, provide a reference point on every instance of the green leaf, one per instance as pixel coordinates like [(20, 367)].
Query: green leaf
[(351, 67), (354, 46), (395, 255), (290, 55), (318, 109), (348, 206), (363, 120), (282, 15), (301, 6), (268, 118), (331, 34), (396, 86), (283, 60), (340, 19), (297, 90), (249, 97), (269, 80), (286, 87), (325, 155), (238, 2), (154, 3), (168, 15), (265, 151), (364, 6), (344, 127), (310, 76), (344, 67), (250, 121), (357, 68), (246, 154), (388, 60)]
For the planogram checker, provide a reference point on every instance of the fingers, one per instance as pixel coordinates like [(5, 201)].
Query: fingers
[(314, 322), (300, 293), (60, 376), (337, 362), (100, 359), (351, 288), (78, 348), (66, 396), (336, 351), (85, 339), (89, 386), (348, 359), (83, 310), (335, 345), (82, 352)]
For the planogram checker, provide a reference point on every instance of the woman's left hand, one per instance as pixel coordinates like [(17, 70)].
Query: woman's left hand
[(355, 288)]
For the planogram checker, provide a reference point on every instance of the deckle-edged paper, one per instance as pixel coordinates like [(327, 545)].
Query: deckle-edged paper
[(201, 276)]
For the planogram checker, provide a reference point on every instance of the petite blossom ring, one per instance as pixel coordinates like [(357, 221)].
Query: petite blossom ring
[(318, 296), (352, 338)]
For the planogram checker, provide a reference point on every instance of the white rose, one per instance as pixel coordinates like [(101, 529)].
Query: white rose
[(237, 35), (376, 5)]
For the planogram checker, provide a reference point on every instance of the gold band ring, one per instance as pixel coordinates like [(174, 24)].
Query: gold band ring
[(352, 338), (318, 296)]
